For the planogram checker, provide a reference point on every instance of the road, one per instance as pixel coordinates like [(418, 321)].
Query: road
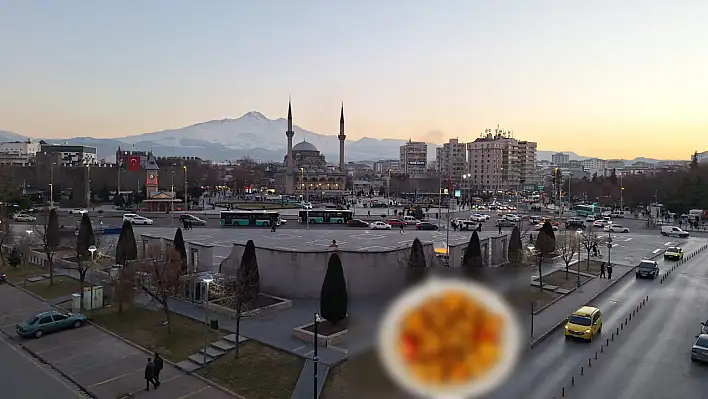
[(23, 377), (650, 358)]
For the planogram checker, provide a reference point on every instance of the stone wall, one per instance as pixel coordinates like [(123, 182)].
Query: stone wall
[(198, 254), (494, 251)]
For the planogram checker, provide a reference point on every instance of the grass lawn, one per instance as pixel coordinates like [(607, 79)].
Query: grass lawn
[(260, 372), (360, 377), (558, 278), (539, 298), (594, 267), (145, 328), (21, 272), (63, 286)]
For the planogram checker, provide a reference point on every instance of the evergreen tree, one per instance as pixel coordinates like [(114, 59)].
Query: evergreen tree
[(547, 228), (15, 258), (515, 248), (248, 277), (333, 296), (85, 239), (472, 260), (178, 242), (127, 248), (416, 265)]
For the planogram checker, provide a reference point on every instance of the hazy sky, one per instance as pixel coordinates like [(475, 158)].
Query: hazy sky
[(601, 78)]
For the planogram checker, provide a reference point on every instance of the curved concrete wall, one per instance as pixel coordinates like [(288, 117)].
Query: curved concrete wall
[(299, 274)]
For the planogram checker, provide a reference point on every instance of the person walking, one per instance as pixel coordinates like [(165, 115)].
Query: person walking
[(158, 367), (602, 270), (334, 245), (499, 229), (150, 375), (609, 271), (402, 226)]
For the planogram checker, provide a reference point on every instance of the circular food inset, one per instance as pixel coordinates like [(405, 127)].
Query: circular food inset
[(448, 338)]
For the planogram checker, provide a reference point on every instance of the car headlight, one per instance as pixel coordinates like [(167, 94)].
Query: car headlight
[(587, 331), (566, 327)]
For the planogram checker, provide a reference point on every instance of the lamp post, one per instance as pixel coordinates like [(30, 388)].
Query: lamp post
[(315, 355), (92, 249), (172, 201), (578, 238), (51, 185), (388, 207), (439, 199), (609, 248), (206, 280), (25, 250)]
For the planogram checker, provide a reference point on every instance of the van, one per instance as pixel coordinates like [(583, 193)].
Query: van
[(673, 231), (410, 220)]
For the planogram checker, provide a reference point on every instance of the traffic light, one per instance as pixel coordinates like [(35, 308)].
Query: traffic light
[(555, 176)]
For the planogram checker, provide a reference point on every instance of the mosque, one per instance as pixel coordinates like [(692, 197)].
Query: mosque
[(306, 172)]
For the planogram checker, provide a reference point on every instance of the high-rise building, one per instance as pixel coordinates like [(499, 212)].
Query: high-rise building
[(701, 157), (498, 162), (413, 159), (594, 165), (451, 160), (560, 159)]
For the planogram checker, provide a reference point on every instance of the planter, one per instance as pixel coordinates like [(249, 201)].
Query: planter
[(328, 334), (265, 304)]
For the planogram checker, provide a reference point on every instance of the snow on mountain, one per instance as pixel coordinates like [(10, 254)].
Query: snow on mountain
[(10, 136)]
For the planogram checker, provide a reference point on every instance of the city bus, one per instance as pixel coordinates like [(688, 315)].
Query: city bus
[(248, 218), (325, 216), (588, 210)]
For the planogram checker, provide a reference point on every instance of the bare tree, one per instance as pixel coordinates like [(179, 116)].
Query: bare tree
[(49, 235), (5, 236), (568, 241), (589, 240), (159, 275)]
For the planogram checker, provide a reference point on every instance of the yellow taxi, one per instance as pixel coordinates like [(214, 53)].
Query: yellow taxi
[(584, 323), (673, 253)]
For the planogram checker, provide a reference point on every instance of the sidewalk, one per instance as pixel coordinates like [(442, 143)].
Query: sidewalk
[(103, 365)]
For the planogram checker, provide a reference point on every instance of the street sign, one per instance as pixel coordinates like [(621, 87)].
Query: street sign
[(539, 187)]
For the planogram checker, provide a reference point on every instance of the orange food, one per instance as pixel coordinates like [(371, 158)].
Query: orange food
[(450, 339)]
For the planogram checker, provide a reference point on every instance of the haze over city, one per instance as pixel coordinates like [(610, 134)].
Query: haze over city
[(607, 79)]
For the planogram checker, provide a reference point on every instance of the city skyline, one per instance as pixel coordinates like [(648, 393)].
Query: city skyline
[(570, 77)]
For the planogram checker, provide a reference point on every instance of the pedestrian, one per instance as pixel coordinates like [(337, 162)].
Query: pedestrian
[(479, 228), (602, 270), (150, 375), (334, 245), (454, 225), (158, 367), (609, 271), (500, 229), (184, 224), (402, 225), (368, 213), (189, 224)]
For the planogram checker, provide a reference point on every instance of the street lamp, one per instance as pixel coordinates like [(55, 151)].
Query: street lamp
[(92, 249), (388, 207), (579, 235), (51, 185), (315, 356), (186, 198), (172, 189), (206, 280), (609, 248)]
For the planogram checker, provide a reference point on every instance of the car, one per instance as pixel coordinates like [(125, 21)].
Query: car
[(584, 323), (574, 223), (379, 226), (648, 269), (699, 351), (127, 217), (616, 228), (590, 218), (673, 253), (357, 223), (485, 216), (539, 226), (411, 220), (23, 217), (535, 219), (598, 223), (395, 222), (306, 205), (77, 212), (50, 321), (505, 223), (426, 226), (478, 218), (617, 215), (467, 225), (673, 231), (196, 221), (512, 218), (141, 220)]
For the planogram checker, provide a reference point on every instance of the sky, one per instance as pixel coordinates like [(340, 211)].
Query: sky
[(603, 78)]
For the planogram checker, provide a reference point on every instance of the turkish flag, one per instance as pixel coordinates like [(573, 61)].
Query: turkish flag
[(133, 164)]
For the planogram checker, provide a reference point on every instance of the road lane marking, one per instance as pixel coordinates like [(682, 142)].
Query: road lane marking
[(656, 250), (115, 378), (629, 239), (195, 392)]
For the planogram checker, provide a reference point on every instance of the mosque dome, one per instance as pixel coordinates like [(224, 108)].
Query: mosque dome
[(305, 146)]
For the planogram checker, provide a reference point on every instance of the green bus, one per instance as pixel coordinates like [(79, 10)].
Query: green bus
[(337, 216), (588, 210), (248, 218)]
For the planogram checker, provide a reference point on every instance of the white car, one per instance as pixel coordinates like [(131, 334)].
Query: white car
[(616, 228), (379, 226), (598, 223), (281, 222), (128, 217), (485, 216), (540, 226), (306, 205), (512, 218), (141, 220), (23, 217), (590, 219), (77, 211), (478, 218)]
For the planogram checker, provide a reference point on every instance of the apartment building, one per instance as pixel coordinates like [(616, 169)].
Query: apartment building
[(560, 159), (71, 155), (498, 162), (701, 157), (413, 159), (594, 165), (385, 165), (18, 152), (451, 160)]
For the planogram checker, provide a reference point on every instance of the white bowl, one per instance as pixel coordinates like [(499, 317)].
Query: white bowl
[(390, 329)]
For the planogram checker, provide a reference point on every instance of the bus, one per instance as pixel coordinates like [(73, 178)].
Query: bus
[(325, 216), (248, 218), (588, 210)]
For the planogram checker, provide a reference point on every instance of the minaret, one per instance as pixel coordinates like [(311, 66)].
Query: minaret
[(290, 172), (341, 138)]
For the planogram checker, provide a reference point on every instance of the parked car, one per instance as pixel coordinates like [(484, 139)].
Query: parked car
[(648, 268), (616, 228), (395, 222), (195, 220), (48, 322), (23, 217), (411, 220), (128, 217), (77, 212), (699, 351), (673, 253), (426, 226), (357, 223), (617, 215), (590, 218), (574, 223), (379, 226), (141, 220)]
